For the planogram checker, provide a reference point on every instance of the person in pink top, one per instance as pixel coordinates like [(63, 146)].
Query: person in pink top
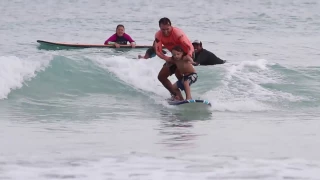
[(120, 38)]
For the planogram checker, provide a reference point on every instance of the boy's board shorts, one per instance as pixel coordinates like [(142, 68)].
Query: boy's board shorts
[(192, 78)]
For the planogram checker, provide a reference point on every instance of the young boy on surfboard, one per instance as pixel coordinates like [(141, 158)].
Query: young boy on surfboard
[(184, 65)]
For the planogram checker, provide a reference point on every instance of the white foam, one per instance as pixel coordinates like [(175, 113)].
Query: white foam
[(144, 166), (241, 88), (141, 74), (14, 71)]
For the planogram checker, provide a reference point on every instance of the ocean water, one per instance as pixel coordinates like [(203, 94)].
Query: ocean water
[(101, 113)]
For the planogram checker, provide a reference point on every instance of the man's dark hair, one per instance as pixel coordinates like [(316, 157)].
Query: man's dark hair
[(164, 21)]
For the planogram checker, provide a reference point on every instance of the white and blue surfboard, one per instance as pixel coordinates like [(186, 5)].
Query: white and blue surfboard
[(189, 101)]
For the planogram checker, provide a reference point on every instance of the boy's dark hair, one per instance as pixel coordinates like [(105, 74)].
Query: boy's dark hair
[(179, 49), (120, 25), (164, 21)]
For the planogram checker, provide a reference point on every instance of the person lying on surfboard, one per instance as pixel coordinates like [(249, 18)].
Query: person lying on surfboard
[(120, 38), (184, 65), (150, 53), (169, 37)]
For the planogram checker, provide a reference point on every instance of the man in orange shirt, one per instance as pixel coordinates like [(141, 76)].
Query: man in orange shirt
[(169, 37)]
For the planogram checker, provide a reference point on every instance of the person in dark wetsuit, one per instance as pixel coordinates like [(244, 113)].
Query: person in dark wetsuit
[(120, 38), (150, 53), (204, 57)]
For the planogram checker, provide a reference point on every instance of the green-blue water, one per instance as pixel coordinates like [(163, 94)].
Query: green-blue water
[(101, 113)]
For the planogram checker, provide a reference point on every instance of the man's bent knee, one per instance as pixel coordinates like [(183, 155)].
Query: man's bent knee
[(162, 77), (163, 74)]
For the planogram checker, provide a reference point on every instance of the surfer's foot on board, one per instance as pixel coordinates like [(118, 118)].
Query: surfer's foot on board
[(188, 98), (175, 98)]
